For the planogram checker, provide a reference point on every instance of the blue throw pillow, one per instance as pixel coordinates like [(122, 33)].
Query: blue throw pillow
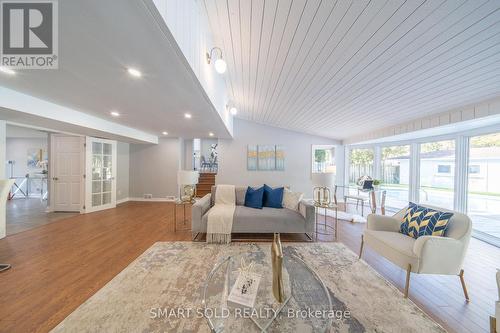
[(273, 197), (253, 197)]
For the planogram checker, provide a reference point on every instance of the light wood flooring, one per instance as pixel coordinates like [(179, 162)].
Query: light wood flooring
[(57, 266)]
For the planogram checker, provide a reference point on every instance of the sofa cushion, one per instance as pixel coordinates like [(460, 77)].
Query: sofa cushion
[(424, 221), (265, 220), (254, 197), (273, 197), (291, 199), (393, 245), (240, 195)]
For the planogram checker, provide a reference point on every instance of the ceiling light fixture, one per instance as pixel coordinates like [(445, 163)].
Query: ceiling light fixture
[(134, 72), (187, 115), (115, 113), (219, 64), (211, 134), (164, 133), (7, 70)]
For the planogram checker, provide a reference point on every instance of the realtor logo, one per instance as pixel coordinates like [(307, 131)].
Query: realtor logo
[(29, 34)]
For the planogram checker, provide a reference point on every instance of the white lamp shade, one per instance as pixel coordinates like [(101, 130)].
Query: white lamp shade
[(220, 66), (187, 177), (323, 179)]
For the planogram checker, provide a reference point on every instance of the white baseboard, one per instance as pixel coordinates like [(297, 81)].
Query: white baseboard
[(122, 200), (151, 200)]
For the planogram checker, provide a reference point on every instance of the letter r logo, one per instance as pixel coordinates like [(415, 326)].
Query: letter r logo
[(27, 27)]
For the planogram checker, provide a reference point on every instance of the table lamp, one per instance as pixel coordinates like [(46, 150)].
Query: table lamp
[(321, 192), (187, 180)]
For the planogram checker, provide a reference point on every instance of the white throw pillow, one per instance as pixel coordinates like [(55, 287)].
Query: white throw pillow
[(291, 199)]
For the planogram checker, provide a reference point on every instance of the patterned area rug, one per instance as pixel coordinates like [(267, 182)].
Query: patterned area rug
[(171, 276)]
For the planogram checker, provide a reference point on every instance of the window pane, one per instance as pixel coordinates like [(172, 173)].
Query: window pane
[(96, 148), (395, 175), (483, 198), (360, 164), (437, 173), (324, 159)]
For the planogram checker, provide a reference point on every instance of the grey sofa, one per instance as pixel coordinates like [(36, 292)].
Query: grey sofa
[(252, 220)]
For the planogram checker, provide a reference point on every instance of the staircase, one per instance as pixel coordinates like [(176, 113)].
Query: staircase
[(205, 183)]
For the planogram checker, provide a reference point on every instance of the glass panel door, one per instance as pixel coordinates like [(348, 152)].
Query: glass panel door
[(437, 173), (483, 197), (395, 175), (360, 164), (101, 165)]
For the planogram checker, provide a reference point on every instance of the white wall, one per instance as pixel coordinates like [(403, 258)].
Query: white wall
[(153, 168), (17, 151), (188, 23), (122, 170), (458, 119), (298, 154)]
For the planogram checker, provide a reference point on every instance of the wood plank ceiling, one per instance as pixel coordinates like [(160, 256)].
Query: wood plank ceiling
[(338, 68)]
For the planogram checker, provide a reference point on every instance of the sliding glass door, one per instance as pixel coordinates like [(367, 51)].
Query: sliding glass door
[(483, 197), (360, 164), (437, 173), (395, 175)]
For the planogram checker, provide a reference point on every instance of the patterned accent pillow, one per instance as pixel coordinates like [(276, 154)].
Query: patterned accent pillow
[(424, 221)]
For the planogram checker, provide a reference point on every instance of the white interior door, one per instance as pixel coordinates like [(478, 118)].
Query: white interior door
[(67, 166), (101, 172)]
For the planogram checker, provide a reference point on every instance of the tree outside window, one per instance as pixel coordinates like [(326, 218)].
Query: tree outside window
[(323, 159)]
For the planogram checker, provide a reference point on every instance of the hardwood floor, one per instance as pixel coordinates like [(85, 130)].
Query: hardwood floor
[(27, 213), (57, 266)]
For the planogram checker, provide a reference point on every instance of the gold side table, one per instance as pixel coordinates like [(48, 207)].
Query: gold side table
[(325, 229), (182, 216)]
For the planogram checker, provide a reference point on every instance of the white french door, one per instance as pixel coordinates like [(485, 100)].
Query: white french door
[(100, 174)]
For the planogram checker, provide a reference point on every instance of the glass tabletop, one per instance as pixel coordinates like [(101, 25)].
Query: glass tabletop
[(307, 306)]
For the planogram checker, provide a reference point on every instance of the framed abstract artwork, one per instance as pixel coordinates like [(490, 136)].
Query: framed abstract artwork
[(265, 158)]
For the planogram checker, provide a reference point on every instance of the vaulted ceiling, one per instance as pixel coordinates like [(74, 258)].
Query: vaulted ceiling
[(339, 68)]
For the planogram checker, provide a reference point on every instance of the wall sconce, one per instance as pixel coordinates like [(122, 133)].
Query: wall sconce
[(232, 109), (219, 64)]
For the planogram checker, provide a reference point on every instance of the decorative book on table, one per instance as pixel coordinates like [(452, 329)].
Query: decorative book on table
[(244, 291)]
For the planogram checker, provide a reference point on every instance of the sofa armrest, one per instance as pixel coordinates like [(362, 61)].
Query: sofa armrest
[(382, 223), (439, 255), (308, 211), (199, 208)]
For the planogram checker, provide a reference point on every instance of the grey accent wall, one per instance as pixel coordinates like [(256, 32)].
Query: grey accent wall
[(122, 170), (298, 151), (153, 168)]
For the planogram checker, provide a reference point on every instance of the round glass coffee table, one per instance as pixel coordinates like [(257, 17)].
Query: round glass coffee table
[(307, 306)]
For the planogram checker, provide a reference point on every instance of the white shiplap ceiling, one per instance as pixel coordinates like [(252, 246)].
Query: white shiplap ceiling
[(341, 68)]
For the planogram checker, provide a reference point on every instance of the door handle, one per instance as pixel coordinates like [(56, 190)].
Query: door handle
[(55, 178)]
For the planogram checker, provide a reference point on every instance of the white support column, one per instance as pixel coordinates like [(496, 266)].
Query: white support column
[(377, 161), (461, 173), (3, 142), (414, 172)]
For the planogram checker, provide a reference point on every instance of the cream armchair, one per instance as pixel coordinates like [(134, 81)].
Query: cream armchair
[(424, 255)]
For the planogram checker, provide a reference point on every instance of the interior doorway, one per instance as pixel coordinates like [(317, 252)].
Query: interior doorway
[(28, 162)]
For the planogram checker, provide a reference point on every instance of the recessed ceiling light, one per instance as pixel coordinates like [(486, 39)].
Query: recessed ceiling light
[(115, 113), (211, 134), (233, 110), (164, 133), (134, 72), (7, 70), (187, 115)]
